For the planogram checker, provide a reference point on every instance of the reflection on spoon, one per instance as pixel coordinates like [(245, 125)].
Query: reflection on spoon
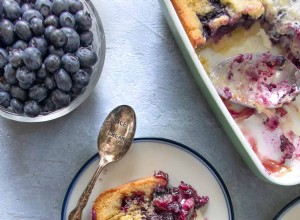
[(114, 140), (261, 81)]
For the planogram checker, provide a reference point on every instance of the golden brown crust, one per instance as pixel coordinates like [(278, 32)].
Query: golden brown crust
[(107, 206), (189, 12), (201, 7), (190, 22), (252, 8)]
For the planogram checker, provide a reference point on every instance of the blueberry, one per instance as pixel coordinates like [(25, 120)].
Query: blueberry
[(86, 38), (25, 77), (43, 6), (3, 58), (50, 82), (16, 106), (19, 1), (15, 58), (26, 7), (4, 86), (57, 51), (38, 93), (32, 58), (38, 80), (75, 5), (37, 27), (81, 78), (31, 13), (58, 38), (42, 72), (18, 93), (73, 41), (1, 9), (83, 20), (70, 63), (48, 32), (75, 91), (10, 74), (87, 56), (11, 10), (66, 19), (39, 43), (52, 63), (32, 109), (59, 6), (51, 20), (89, 70), (63, 80), (169, 216), (20, 44), (25, 85), (7, 34), (22, 29), (60, 98), (4, 99), (48, 105), (9, 48)]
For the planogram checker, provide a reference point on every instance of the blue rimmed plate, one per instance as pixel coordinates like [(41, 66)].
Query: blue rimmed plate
[(145, 156), (290, 212)]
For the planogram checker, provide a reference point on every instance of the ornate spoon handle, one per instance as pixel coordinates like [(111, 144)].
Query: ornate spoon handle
[(77, 212)]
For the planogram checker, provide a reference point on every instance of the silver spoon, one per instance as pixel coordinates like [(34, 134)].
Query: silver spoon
[(261, 81), (114, 140)]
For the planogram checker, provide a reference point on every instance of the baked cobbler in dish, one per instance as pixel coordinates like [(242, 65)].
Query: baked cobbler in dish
[(205, 19), (218, 29), (211, 19)]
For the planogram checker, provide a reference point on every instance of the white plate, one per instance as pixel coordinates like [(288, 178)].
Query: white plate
[(290, 212), (145, 156)]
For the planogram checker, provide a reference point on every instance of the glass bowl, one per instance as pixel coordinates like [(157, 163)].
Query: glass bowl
[(99, 46)]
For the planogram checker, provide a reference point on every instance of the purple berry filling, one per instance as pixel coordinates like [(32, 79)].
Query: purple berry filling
[(220, 10), (179, 202), (287, 148), (136, 198), (281, 112), (227, 93), (166, 202), (272, 123), (162, 175), (93, 214)]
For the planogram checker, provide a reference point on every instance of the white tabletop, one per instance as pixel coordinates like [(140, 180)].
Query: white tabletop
[(144, 69)]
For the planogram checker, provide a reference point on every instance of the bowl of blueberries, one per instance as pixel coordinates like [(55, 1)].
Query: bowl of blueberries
[(51, 56)]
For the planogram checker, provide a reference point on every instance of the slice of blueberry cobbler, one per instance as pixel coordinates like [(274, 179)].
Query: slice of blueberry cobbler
[(165, 202)]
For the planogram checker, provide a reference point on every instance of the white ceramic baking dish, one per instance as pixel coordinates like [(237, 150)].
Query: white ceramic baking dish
[(217, 105)]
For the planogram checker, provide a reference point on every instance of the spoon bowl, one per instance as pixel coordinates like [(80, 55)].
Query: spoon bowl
[(116, 134), (114, 140), (261, 81)]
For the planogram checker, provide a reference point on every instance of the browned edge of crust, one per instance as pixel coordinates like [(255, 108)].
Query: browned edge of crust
[(108, 203), (190, 23)]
